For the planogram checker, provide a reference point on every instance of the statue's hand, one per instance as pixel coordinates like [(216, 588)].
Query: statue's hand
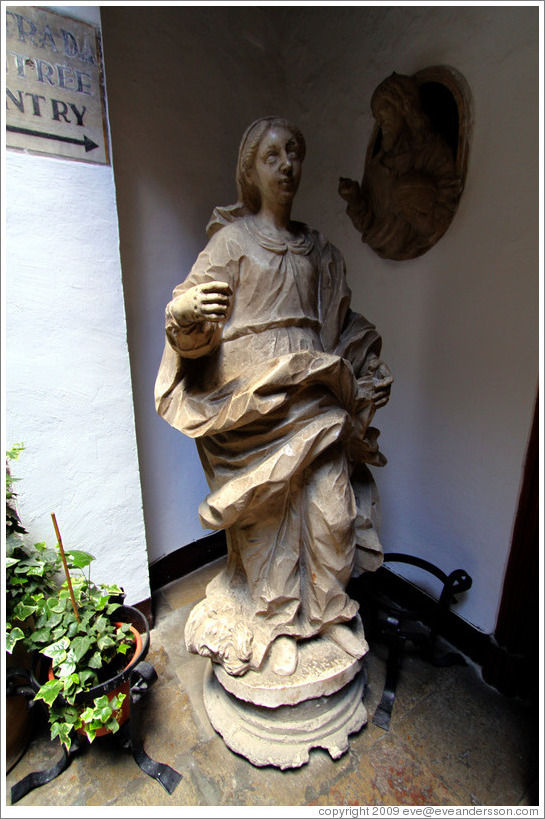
[(349, 190), (382, 382), (211, 301)]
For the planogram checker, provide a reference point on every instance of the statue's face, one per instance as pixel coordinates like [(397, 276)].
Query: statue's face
[(391, 123), (277, 167)]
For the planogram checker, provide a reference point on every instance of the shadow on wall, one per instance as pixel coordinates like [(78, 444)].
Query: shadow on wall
[(175, 134)]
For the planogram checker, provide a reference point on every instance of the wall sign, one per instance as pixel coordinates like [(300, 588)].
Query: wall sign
[(54, 86)]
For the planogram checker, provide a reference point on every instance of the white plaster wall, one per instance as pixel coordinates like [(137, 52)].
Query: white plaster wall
[(68, 392), (459, 324)]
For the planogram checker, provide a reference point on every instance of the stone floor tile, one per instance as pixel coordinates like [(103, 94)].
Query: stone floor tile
[(140, 790), (531, 797), (169, 633), (191, 677), (192, 587), (229, 779), (387, 774), (71, 787), (188, 669), (475, 739), (417, 679), (168, 721), (41, 755), (452, 741), (160, 606), (168, 724)]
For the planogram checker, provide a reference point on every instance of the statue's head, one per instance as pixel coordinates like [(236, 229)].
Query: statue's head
[(396, 106), (248, 192)]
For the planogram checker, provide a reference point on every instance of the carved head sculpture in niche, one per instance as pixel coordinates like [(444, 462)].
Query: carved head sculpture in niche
[(415, 165)]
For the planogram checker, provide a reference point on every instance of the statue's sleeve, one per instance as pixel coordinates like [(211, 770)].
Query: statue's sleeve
[(351, 336), (219, 261), (344, 332)]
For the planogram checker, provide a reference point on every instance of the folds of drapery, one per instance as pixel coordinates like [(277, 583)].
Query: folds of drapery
[(285, 393)]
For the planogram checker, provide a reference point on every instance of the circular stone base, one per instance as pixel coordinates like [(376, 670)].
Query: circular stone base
[(284, 736), (323, 667)]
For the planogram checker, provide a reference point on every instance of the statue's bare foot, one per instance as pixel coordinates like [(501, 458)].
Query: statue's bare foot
[(283, 656), (344, 637)]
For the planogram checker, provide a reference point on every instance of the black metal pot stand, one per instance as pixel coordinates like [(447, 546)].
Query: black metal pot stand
[(141, 677)]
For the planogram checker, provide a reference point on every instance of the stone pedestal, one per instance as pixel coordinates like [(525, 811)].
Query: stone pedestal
[(273, 720)]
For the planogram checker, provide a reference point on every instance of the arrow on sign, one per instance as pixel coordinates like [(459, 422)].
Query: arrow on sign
[(88, 143)]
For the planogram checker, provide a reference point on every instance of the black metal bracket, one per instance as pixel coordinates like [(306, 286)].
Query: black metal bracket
[(19, 683), (141, 678), (396, 625)]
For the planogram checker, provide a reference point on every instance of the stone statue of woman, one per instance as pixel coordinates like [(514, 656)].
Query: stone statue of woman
[(268, 368)]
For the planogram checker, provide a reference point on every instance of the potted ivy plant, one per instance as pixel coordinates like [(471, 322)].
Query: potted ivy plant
[(31, 571), (81, 635), (31, 577), (87, 636)]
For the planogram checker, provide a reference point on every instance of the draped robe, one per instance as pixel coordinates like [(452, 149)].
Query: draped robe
[(279, 400)]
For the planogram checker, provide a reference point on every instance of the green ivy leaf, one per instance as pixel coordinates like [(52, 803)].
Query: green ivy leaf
[(103, 624), (88, 678), (90, 732), (88, 714), (72, 629), (13, 453), (49, 691), (105, 641), (77, 559), (45, 620), (18, 581), (80, 646), (103, 709), (112, 589), (117, 701), (63, 731), (42, 635), (71, 715), (12, 638), (112, 725), (36, 571), (67, 667), (57, 651), (71, 683), (85, 619), (40, 547), (96, 660), (22, 610), (56, 606), (50, 555)]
